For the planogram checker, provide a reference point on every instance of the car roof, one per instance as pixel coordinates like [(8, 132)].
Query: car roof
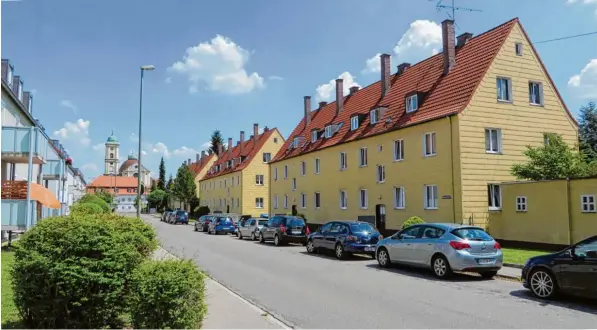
[(448, 225)]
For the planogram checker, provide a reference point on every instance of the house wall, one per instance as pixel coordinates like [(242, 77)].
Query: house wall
[(412, 173), (221, 191), (521, 124), (12, 115), (202, 173)]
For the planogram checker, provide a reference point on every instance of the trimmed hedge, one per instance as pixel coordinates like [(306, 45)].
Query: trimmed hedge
[(412, 221), (74, 271), (83, 209), (167, 294), (95, 199)]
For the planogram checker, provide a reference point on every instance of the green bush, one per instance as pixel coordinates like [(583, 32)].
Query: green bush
[(412, 221), (167, 294), (82, 209), (137, 232), (201, 211), (95, 199), (74, 271)]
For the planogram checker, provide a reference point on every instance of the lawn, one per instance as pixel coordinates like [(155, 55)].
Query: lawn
[(520, 256), (10, 315)]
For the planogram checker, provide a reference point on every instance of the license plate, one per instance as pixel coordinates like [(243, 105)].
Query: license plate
[(485, 261), (296, 232), (369, 248)]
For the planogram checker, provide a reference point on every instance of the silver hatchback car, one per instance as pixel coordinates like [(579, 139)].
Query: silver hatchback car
[(444, 248), (251, 228)]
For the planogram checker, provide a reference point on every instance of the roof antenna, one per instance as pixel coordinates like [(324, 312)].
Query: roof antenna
[(453, 8)]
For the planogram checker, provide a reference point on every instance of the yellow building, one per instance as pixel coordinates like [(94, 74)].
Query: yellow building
[(432, 140), (238, 181), (200, 167)]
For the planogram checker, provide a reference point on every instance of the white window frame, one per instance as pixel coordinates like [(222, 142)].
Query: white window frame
[(285, 201), (328, 131), (259, 202), (303, 201), (343, 195), (293, 184), (412, 103), (430, 188), (316, 200), (317, 166), (267, 157), (275, 174), (518, 49), (508, 89), (521, 204), (586, 202), (354, 123), (314, 136), (380, 173), (363, 157), (303, 168), (489, 134), (491, 197), (374, 116), (399, 198), (295, 142), (398, 154), (343, 161), (363, 199), (285, 172), (532, 93), (433, 144), (259, 179)]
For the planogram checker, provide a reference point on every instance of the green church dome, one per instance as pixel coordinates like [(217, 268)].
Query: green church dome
[(112, 139)]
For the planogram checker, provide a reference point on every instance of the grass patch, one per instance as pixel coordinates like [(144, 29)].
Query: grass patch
[(10, 315), (520, 256)]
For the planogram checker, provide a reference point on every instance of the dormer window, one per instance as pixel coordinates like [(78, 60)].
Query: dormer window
[(412, 103), (374, 116), (295, 142), (9, 76), (314, 134), (232, 163), (328, 131), (20, 91), (354, 123)]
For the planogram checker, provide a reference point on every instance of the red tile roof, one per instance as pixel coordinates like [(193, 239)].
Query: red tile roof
[(440, 96), (250, 149), (197, 167), (107, 181)]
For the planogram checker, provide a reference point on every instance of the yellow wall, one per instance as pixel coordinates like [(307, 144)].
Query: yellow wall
[(225, 188), (521, 124), (553, 213), (412, 173), (203, 171)]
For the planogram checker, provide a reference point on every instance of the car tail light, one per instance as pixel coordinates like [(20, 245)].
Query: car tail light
[(497, 246), (282, 228), (307, 231), (351, 238), (459, 245)]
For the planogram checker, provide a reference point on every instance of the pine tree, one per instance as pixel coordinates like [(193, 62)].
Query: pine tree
[(587, 129), (215, 141), (162, 177)]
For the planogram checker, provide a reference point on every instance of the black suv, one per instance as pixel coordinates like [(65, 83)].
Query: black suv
[(284, 229)]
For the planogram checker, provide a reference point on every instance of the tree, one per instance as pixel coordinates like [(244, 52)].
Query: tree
[(554, 160), (106, 196), (184, 188), (215, 141), (169, 184), (168, 190), (587, 130), (162, 177), (156, 199)]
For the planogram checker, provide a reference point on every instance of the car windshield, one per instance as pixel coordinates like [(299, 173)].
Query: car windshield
[(294, 222), (362, 227), (181, 213), (262, 222), (472, 234), (224, 221)]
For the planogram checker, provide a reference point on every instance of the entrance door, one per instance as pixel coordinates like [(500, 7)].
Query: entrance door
[(294, 211), (380, 217)]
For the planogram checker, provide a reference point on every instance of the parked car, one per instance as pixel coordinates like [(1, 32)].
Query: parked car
[(221, 224), (198, 226), (204, 224), (165, 216), (251, 227), (284, 229), (171, 217), (443, 247), (572, 271), (179, 217), (345, 238)]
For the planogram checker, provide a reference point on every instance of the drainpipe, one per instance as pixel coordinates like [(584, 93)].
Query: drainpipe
[(29, 177), (64, 183), (569, 211), (452, 170)]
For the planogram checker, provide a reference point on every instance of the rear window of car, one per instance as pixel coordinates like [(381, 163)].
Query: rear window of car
[(295, 222), (472, 234), (361, 227), (181, 213), (224, 221), (262, 222)]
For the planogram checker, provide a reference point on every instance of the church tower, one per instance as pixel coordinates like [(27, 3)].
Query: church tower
[(111, 158)]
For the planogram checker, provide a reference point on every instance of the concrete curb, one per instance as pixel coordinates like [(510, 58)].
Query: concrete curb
[(513, 265)]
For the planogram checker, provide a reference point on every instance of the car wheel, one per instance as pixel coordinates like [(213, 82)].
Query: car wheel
[(441, 267), (383, 258), (489, 274), (261, 240), (543, 284), (339, 251), (240, 235), (276, 240), (196, 228), (253, 238), (311, 247)]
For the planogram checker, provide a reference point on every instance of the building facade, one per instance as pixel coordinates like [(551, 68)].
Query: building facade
[(238, 181), (122, 188), (128, 168), (200, 167), (433, 140)]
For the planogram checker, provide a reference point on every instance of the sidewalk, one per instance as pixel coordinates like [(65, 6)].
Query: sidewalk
[(510, 272), (226, 310)]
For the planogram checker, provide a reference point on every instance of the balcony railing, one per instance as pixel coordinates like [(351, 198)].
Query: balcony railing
[(52, 169), (18, 142), (14, 214), (14, 189)]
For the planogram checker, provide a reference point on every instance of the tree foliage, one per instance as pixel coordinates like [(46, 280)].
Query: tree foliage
[(554, 160), (95, 199), (184, 187), (215, 141), (106, 196), (162, 176), (156, 199), (587, 129)]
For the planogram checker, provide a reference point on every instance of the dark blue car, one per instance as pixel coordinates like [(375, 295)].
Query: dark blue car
[(180, 217), (345, 238), (221, 225)]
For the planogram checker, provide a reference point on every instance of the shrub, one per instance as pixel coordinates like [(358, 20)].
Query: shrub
[(167, 294), (95, 199), (201, 210), (412, 221), (82, 209), (137, 232), (74, 271)]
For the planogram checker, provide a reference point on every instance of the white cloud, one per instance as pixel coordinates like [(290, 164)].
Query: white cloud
[(157, 148), (585, 83), (144, 153), (372, 64), (584, 2), (206, 145), (69, 105), (184, 151), (275, 78), (77, 131), (327, 92), (219, 64), (90, 167)]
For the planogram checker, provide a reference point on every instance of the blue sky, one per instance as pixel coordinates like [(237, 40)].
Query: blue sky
[(228, 64)]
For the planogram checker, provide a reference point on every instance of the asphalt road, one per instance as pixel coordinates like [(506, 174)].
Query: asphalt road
[(312, 291)]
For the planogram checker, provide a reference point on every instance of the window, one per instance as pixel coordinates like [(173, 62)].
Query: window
[(259, 179), (293, 184), (275, 140), (381, 173), (429, 144), (588, 203), (343, 199), (398, 150), (285, 201), (521, 204), (303, 200), (267, 157), (494, 197), (237, 202), (314, 135), (363, 157), (343, 161), (493, 140), (518, 48), (285, 172), (317, 200), (259, 202), (363, 198), (317, 164), (295, 142), (303, 168), (399, 202), (431, 200), (275, 174), (546, 138), (354, 123), (328, 132), (412, 103), (374, 116), (504, 89), (275, 201), (535, 93)]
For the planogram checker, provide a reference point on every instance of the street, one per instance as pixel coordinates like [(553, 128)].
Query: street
[(314, 291)]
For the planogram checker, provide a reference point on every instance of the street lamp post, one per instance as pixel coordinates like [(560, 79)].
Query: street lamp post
[(143, 69)]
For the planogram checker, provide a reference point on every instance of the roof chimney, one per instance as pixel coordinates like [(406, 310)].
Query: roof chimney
[(402, 67), (385, 74), (189, 161), (229, 147), (339, 95), (462, 39), (255, 133), (448, 45), (197, 158), (17, 87), (307, 109), (242, 141), (322, 104), (265, 129), (219, 150), (202, 156), (353, 89)]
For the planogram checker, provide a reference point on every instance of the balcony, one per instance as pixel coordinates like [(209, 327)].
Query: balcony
[(18, 142), (14, 214), (52, 170)]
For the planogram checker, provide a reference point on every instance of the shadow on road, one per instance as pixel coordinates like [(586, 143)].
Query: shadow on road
[(584, 305), (330, 256), (426, 274)]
